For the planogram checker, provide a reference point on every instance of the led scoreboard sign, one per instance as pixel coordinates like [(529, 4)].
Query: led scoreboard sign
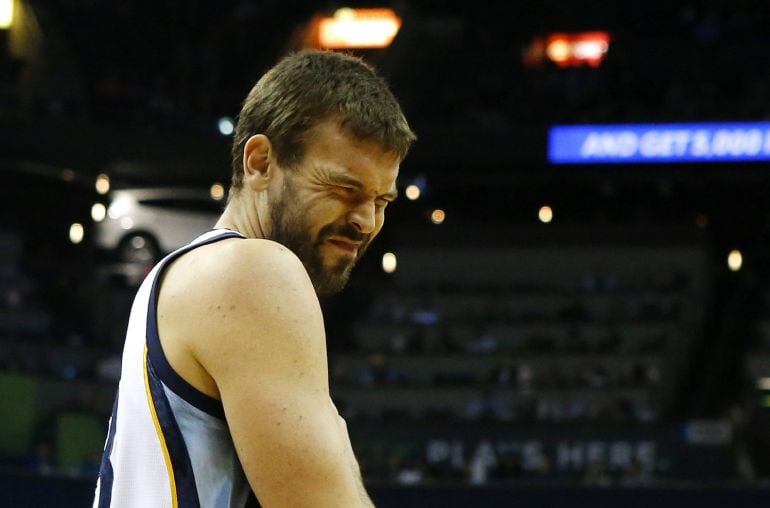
[(659, 143)]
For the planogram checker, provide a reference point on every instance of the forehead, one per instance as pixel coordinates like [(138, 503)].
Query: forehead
[(330, 146)]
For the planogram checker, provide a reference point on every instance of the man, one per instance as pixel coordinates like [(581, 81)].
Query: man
[(224, 385)]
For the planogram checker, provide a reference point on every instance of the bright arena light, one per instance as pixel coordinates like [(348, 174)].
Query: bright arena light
[(98, 212), (358, 28), (76, 233), (576, 49), (6, 14), (558, 50), (735, 260), (389, 262), (217, 191), (545, 214), (102, 183), (589, 50), (438, 216), (226, 126), (412, 192)]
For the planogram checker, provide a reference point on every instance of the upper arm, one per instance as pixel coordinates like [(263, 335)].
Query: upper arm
[(267, 355)]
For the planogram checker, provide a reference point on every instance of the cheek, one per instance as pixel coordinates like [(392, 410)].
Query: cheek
[(322, 208), (323, 213)]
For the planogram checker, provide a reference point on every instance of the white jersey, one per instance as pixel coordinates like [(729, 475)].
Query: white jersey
[(168, 443)]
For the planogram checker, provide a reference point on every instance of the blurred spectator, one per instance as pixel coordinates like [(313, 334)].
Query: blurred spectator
[(379, 371)]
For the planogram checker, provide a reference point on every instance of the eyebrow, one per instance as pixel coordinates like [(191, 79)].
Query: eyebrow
[(343, 179)]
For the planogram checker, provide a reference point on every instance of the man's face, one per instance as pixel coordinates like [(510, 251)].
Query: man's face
[(332, 204)]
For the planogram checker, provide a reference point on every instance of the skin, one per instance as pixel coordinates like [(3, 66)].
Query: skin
[(240, 319)]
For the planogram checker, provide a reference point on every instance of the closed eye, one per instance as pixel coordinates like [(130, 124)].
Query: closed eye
[(346, 190), (352, 192)]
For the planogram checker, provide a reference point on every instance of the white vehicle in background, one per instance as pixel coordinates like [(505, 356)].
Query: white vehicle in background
[(143, 224)]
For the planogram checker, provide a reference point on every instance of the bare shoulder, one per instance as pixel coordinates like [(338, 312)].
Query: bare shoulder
[(260, 258), (237, 271), (239, 300), (263, 259), (262, 282)]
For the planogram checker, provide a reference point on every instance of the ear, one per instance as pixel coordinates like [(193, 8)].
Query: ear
[(257, 162)]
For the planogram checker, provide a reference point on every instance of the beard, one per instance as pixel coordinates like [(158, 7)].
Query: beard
[(291, 228)]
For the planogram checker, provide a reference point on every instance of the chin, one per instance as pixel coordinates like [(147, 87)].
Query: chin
[(325, 290), (331, 284)]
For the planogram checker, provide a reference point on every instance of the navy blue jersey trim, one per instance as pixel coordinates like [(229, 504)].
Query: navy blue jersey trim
[(186, 491), (165, 372), (106, 473)]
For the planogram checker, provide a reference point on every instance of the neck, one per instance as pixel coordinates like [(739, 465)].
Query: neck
[(241, 214)]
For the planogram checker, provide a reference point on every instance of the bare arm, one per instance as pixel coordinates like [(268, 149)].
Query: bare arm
[(267, 356)]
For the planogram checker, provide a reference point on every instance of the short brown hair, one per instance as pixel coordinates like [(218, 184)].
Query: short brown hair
[(308, 87)]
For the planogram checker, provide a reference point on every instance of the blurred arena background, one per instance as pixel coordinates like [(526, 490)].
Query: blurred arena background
[(551, 316)]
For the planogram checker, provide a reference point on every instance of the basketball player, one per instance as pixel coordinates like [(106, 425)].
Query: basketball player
[(224, 399)]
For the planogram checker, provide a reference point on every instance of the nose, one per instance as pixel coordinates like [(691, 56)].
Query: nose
[(363, 218)]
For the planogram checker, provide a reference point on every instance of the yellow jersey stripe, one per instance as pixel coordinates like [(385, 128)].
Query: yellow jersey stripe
[(161, 437)]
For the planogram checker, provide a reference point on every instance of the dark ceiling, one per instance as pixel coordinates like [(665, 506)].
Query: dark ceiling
[(135, 88)]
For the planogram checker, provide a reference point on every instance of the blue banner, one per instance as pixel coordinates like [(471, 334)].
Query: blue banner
[(659, 143)]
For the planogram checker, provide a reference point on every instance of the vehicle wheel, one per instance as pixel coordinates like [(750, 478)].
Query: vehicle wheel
[(139, 248)]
